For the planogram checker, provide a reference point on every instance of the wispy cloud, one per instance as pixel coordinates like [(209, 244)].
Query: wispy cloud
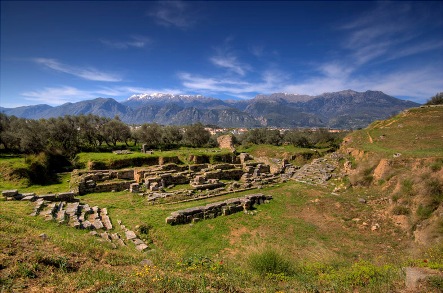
[(173, 13), (88, 73), (134, 42), (126, 91), (270, 81), (391, 30), (225, 57), (231, 63), (57, 95)]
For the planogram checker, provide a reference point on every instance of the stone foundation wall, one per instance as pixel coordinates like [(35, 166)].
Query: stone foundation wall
[(213, 210)]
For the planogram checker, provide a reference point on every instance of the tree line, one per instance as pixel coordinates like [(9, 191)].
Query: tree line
[(69, 135), (304, 138)]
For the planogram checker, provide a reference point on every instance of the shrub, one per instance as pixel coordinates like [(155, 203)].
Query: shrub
[(401, 210), (270, 263), (435, 282), (437, 165), (424, 211), (407, 187), (362, 274), (435, 190)]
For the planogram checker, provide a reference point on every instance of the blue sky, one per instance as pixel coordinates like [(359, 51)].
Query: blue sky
[(58, 52)]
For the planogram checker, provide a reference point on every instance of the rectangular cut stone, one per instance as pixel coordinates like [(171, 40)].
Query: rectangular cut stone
[(29, 198), (137, 241), (10, 193), (130, 235), (106, 222), (66, 196), (49, 197), (61, 215), (141, 247), (97, 224), (86, 224), (72, 208)]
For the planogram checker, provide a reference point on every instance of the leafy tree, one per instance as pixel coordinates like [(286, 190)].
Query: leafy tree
[(297, 138), (115, 130), (8, 137), (172, 135), (33, 136), (88, 130), (63, 134), (196, 135), (150, 134), (263, 136)]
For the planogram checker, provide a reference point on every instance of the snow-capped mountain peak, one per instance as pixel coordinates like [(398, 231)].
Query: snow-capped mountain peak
[(165, 97)]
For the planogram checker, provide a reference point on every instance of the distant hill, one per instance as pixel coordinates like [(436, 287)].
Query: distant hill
[(344, 109), (32, 112)]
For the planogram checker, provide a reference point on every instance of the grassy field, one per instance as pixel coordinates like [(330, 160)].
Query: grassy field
[(305, 239)]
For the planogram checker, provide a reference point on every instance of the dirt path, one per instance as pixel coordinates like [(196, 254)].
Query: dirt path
[(370, 137)]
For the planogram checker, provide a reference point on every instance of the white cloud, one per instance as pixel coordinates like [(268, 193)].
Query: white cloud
[(63, 94), (172, 13), (85, 73), (57, 96), (231, 63), (135, 42), (270, 81), (126, 91)]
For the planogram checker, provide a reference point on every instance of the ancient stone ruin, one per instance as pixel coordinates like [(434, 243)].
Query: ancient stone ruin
[(226, 142), (223, 208), (63, 208), (317, 172), (75, 214), (199, 179), (62, 196)]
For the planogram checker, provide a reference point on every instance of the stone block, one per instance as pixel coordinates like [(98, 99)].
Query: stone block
[(130, 235), (137, 241), (141, 247), (66, 196), (10, 193), (97, 224), (134, 188), (29, 198), (49, 197)]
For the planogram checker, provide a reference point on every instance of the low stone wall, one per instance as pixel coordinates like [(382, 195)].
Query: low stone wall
[(132, 162), (213, 210), (112, 186), (15, 195)]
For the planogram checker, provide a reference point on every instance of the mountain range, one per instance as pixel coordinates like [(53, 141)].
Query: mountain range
[(344, 109)]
